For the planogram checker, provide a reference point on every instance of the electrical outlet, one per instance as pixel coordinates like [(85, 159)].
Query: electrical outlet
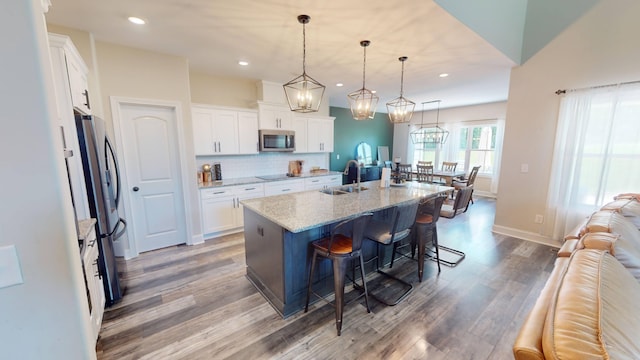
[(539, 219), (337, 156), (524, 168)]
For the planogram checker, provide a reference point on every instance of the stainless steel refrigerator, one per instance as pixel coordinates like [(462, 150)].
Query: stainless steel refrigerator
[(103, 192)]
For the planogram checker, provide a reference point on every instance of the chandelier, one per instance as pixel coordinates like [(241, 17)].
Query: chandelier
[(363, 102), (400, 109), (429, 135), (304, 94)]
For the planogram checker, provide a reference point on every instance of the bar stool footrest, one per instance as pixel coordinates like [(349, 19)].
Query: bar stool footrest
[(450, 257)]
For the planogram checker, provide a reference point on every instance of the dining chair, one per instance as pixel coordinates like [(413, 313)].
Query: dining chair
[(342, 247), (405, 171), (387, 232), (447, 166), (424, 173), (465, 182), (424, 163)]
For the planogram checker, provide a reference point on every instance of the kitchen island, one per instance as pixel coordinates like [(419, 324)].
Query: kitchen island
[(278, 229)]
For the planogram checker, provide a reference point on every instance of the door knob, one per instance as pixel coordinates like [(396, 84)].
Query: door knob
[(135, 188)]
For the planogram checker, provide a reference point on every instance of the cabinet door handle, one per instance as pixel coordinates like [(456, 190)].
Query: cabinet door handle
[(219, 147), (135, 188), (86, 96)]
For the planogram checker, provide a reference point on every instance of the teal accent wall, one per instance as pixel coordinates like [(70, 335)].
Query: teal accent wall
[(348, 133)]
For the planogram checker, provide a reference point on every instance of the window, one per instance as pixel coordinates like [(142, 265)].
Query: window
[(477, 146), (597, 153), (425, 152)]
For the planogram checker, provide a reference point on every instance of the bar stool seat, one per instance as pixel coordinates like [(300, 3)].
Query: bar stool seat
[(343, 246)]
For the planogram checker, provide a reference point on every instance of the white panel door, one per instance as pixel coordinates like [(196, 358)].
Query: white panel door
[(152, 165)]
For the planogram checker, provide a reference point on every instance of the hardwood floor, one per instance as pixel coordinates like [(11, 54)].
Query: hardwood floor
[(194, 302)]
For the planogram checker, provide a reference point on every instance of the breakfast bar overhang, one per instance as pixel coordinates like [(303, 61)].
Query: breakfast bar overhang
[(278, 229)]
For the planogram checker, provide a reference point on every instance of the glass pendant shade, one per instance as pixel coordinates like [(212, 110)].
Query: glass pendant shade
[(429, 134), (304, 94), (363, 102), (400, 109)]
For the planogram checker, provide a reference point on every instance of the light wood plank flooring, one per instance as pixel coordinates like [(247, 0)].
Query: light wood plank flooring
[(194, 302)]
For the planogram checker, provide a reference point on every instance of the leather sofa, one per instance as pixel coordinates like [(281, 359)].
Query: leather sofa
[(588, 308)]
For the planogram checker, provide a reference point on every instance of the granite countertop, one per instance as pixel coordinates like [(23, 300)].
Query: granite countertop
[(253, 179), (302, 211)]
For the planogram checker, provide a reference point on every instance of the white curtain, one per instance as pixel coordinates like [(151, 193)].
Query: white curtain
[(596, 154)]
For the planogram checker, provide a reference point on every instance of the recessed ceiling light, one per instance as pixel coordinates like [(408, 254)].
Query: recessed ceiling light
[(444, 75), (243, 63), (339, 84), (136, 20), (373, 91)]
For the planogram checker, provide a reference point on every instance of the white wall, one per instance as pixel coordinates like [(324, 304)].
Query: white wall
[(599, 49), (47, 316)]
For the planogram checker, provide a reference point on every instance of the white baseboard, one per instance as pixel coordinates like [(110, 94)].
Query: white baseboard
[(525, 235), (196, 239), (485, 194)]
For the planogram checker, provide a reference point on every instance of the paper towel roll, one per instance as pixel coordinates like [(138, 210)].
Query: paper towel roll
[(385, 178)]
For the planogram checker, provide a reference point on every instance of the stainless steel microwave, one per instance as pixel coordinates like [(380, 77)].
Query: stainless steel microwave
[(277, 140)]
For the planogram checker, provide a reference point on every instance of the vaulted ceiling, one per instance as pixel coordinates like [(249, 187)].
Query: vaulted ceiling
[(215, 35)]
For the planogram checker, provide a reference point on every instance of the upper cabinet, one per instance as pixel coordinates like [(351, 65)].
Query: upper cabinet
[(275, 116), (224, 131), (65, 57), (320, 134)]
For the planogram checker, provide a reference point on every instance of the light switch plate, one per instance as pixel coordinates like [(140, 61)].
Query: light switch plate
[(524, 168), (10, 272)]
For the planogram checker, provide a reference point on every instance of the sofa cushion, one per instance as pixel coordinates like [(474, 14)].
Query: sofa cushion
[(629, 208), (593, 314), (612, 222)]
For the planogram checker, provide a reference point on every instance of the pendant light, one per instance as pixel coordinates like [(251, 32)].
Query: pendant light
[(304, 94), (429, 135), (363, 102), (400, 109)]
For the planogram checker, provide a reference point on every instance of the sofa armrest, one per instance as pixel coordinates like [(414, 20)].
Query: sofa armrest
[(577, 231), (568, 248), (528, 344)]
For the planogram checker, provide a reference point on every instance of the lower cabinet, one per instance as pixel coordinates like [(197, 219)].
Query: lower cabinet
[(221, 209), (322, 182), (95, 288), (283, 187)]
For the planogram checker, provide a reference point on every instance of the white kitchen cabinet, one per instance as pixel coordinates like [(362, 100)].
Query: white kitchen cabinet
[(320, 134), (68, 68), (274, 116), (218, 209), (283, 187), (322, 182), (221, 208), (224, 131), (300, 127), (93, 280), (248, 132)]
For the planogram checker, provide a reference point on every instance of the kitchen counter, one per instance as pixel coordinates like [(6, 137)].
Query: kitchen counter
[(255, 179), (305, 210), (84, 229), (278, 230)]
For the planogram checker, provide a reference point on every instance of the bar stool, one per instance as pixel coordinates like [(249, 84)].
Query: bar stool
[(424, 228), (341, 247), (428, 215), (390, 232)]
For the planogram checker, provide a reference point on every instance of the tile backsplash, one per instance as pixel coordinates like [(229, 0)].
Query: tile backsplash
[(239, 166)]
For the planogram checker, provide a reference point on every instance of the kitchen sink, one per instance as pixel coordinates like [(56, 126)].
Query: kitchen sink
[(343, 190)]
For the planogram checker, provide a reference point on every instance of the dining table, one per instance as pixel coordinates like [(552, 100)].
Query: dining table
[(448, 175)]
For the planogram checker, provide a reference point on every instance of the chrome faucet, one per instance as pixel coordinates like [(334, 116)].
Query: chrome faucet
[(346, 171)]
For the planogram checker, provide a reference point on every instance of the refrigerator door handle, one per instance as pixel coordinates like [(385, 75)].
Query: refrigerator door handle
[(107, 146), (115, 234)]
